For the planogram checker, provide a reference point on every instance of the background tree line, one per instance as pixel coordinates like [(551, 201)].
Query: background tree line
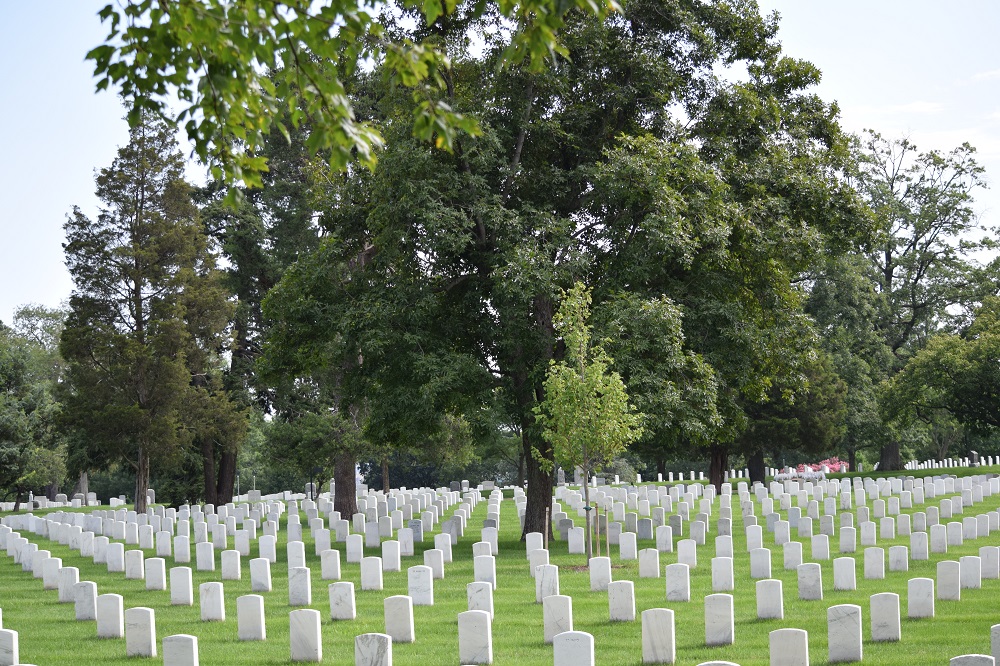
[(771, 290)]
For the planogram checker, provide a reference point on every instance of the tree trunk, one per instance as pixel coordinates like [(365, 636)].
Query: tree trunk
[(717, 465), (852, 460), (17, 500), (208, 472), (346, 499), (889, 459), (586, 504), (142, 480), (758, 471), (520, 468), (661, 467), (83, 486), (227, 476), (385, 474), (539, 489)]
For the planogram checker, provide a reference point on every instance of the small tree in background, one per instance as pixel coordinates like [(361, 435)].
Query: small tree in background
[(585, 416)]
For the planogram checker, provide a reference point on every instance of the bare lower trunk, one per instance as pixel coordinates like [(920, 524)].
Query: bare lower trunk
[(226, 476), (539, 490), (889, 459), (82, 486), (758, 471), (208, 472), (346, 499), (520, 469), (717, 466), (17, 500), (142, 479), (852, 460), (586, 504), (661, 467), (385, 475)]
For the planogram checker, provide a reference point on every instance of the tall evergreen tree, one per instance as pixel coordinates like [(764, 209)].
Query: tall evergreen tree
[(148, 316)]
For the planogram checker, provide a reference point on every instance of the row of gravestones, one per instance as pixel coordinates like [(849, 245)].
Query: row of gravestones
[(107, 609)]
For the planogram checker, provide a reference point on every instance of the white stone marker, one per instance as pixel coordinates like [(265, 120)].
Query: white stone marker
[(342, 606), (970, 572), (573, 648), (658, 636), (180, 650), (557, 615), (972, 660), (68, 577), (723, 579), (110, 616), (371, 573), (140, 632), (687, 552), (621, 601), (250, 624), (181, 587), (546, 581), (600, 573), (204, 556), (678, 577), (420, 585), (791, 554), (484, 569), (299, 586), (373, 650), (434, 558), (990, 557), (770, 600), (304, 637), (537, 558), (85, 600), (398, 613), (719, 623), (843, 627), (789, 647), (330, 564), (391, 556), (649, 563), (475, 638), (9, 652), (232, 566), (50, 573), (156, 573), (115, 556), (920, 597), (899, 558), (810, 580), (949, 580), (995, 641), (874, 564), (479, 596), (260, 574), (296, 553), (760, 564), (844, 575), (211, 596), (884, 614)]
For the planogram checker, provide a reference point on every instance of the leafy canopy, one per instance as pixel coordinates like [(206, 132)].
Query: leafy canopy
[(585, 415), (237, 66)]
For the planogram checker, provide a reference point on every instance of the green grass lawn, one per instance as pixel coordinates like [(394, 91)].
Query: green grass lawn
[(49, 635)]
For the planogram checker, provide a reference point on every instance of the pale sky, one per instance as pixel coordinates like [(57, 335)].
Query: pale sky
[(926, 70)]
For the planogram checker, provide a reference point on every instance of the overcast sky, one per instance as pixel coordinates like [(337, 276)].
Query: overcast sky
[(926, 70)]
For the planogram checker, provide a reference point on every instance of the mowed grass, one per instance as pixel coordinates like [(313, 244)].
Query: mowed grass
[(49, 635)]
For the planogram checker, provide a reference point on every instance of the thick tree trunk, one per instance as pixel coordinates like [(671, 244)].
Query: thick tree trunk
[(82, 486), (852, 460), (717, 465), (346, 499), (889, 460), (758, 470), (208, 472), (520, 468), (661, 467), (142, 479), (385, 474), (539, 489), (227, 477)]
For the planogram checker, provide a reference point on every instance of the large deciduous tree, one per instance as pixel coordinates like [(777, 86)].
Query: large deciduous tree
[(147, 317), (435, 287), (920, 257)]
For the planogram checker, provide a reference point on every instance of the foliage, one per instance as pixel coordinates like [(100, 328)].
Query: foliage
[(585, 415), (920, 255), (147, 317), (237, 67), (957, 374)]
